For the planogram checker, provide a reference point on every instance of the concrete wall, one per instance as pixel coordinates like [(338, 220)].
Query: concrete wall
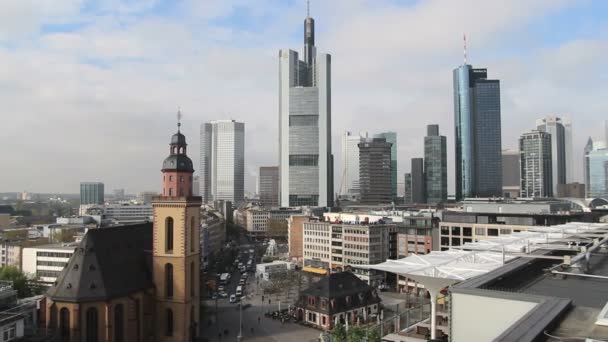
[(477, 318)]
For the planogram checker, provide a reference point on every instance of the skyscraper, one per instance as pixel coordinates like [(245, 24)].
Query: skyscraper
[(536, 166), (91, 193), (510, 173), (596, 163), (561, 147), (222, 171), (305, 158), (435, 166), (375, 171), (350, 164), (407, 195), (418, 181), (391, 137), (477, 133), (268, 186)]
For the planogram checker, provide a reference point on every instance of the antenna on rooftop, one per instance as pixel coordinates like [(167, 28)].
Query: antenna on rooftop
[(464, 39), (179, 118), (308, 8)]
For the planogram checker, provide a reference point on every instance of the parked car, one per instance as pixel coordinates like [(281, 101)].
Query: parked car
[(223, 294), (233, 298)]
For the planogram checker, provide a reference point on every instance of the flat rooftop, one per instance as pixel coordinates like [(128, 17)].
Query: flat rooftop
[(58, 246)]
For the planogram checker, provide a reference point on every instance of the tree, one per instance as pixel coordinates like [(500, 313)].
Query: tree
[(356, 334), (21, 282), (64, 235), (373, 335), (15, 234), (338, 333)]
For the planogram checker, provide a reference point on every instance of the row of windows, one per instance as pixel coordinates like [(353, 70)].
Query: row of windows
[(316, 255), (54, 254), (316, 247), (356, 254), (51, 263), (468, 231), (303, 160)]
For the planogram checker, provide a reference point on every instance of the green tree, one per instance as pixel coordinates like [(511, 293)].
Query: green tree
[(338, 333), (21, 282), (356, 334), (15, 234), (373, 335), (64, 235)]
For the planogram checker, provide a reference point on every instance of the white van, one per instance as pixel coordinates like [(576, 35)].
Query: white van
[(239, 291)]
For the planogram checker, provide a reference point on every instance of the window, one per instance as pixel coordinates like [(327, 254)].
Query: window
[(192, 236), (445, 241), (504, 231), (480, 231), (192, 280), (303, 120), (169, 234), (170, 178), (169, 322), (119, 327), (456, 241), (169, 280), (467, 231), (445, 230), (492, 232), (64, 323), (92, 325), (455, 230), (303, 160), (170, 191)]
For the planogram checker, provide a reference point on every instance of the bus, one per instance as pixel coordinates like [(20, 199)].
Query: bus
[(239, 291)]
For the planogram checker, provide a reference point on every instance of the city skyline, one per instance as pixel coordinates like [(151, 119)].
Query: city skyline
[(97, 106)]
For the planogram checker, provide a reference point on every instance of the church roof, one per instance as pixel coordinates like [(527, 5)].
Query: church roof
[(108, 263)]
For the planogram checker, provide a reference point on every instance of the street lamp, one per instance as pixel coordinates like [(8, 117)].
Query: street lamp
[(240, 336)]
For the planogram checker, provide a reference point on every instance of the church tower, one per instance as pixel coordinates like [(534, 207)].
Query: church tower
[(176, 248)]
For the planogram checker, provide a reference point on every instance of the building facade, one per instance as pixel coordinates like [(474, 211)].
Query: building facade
[(305, 157), (375, 171), (477, 133), (46, 261), (407, 194), (597, 163), (91, 193), (560, 131), (510, 173), (435, 166), (268, 186), (295, 235), (350, 164), (418, 181), (222, 161), (391, 138), (536, 166)]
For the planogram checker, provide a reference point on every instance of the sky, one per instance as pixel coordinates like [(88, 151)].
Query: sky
[(89, 90)]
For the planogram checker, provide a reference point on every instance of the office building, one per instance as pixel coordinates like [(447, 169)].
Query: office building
[(435, 166), (305, 157), (256, 220), (212, 235), (391, 138), (535, 163), (477, 133), (571, 190), (222, 161), (596, 169), (561, 147), (375, 171), (196, 186), (510, 173), (588, 148), (331, 247), (349, 187), (418, 181), (407, 194), (268, 186), (295, 235), (46, 261), (91, 193)]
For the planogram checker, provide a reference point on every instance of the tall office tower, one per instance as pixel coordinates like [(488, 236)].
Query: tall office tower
[(535, 163), (268, 186), (561, 136), (91, 193), (477, 133), (407, 195), (510, 173), (305, 158), (435, 166), (586, 151), (222, 171), (418, 181), (391, 137), (350, 164), (375, 171), (569, 147), (596, 169)]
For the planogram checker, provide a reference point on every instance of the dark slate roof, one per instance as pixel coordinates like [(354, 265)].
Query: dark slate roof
[(178, 162), (335, 288), (108, 263), (178, 139)]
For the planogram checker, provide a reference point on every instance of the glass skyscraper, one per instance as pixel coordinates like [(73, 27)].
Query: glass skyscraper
[(418, 181), (222, 161), (375, 171), (478, 160), (535, 164), (91, 193), (435, 166), (350, 164), (561, 147), (305, 158), (391, 137), (596, 163)]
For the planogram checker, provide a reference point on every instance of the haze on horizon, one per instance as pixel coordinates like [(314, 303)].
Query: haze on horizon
[(90, 89)]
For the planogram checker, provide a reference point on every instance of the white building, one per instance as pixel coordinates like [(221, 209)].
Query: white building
[(268, 270), (305, 158), (47, 261), (222, 163), (350, 164)]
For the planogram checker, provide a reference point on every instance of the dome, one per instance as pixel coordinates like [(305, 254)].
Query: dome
[(178, 162), (178, 139)]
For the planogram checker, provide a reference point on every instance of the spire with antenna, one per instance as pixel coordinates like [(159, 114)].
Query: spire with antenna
[(179, 119), (308, 8), (464, 39)]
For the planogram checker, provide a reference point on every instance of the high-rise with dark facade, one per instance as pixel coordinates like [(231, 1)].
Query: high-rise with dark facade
[(510, 173), (536, 166), (305, 158), (478, 161), (407, 194), (418, 181), (561, 148), (375, 171), (435, 166), (91, 193), (269, 186), (391, 137)]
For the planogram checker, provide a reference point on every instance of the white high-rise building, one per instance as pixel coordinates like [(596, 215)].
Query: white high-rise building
[(350, 163), (222, 161), (305, 157), (561, 148)]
